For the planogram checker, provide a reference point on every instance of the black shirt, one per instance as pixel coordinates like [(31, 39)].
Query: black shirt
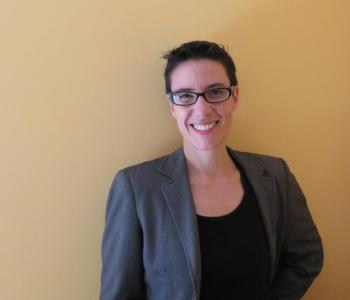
[(234, 251)]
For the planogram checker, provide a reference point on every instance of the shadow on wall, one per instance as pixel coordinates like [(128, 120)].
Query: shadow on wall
[(287, 57)]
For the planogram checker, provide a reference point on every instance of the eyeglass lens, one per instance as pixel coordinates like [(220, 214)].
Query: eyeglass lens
[(212, 96)]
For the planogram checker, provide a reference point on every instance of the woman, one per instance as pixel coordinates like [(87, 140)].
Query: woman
[(207, 222)]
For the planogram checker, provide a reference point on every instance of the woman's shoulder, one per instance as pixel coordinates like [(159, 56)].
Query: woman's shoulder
[(150, 168), (260, 162), (255, 156)]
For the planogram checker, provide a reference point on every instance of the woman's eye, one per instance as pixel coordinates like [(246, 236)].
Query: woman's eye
[(185, 96), (216, 92)]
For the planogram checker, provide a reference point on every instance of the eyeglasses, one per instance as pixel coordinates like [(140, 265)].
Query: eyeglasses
[(215, 95)]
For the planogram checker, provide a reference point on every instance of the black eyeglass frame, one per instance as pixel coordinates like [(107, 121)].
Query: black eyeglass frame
[(229, 89)]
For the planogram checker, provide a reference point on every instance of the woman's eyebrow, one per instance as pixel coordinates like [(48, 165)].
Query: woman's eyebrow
[(210, 86), (183, 90), (214, 85)]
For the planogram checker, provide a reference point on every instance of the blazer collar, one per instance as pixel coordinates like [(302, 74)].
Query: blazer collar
[(177, 193), (174, 164), (265, 189)]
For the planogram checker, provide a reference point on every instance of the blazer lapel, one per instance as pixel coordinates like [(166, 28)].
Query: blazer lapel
[(177, 193), (264, 187)]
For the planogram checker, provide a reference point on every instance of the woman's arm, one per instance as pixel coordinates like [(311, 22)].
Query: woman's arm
[(122, 267), (301, 256)]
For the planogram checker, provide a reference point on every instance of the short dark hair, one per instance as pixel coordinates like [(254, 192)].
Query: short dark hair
[(198, 50)]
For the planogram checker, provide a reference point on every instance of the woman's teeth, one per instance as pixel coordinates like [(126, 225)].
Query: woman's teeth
[(203, 127)]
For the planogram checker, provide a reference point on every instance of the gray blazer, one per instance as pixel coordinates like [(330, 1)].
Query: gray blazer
[(150, 247)]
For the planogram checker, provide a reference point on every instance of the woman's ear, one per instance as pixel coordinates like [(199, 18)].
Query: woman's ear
[(235, 97), (171, 106)]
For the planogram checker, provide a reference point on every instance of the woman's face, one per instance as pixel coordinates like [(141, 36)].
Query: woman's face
[(203, 125)]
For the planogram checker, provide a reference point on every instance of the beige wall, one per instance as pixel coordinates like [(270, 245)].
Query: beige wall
[(81, 96)]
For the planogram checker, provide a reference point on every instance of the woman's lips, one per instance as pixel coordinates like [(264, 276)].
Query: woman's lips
[(204, 128)]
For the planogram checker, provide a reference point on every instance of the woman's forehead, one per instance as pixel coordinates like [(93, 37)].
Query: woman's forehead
[(198, 73)]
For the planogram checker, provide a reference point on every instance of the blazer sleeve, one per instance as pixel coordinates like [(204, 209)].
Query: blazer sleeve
[(301, 256), (122, 268)]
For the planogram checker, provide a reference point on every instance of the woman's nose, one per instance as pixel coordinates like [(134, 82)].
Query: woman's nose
[(202, 105)]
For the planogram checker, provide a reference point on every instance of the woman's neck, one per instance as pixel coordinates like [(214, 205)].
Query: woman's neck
[(214, 162)]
